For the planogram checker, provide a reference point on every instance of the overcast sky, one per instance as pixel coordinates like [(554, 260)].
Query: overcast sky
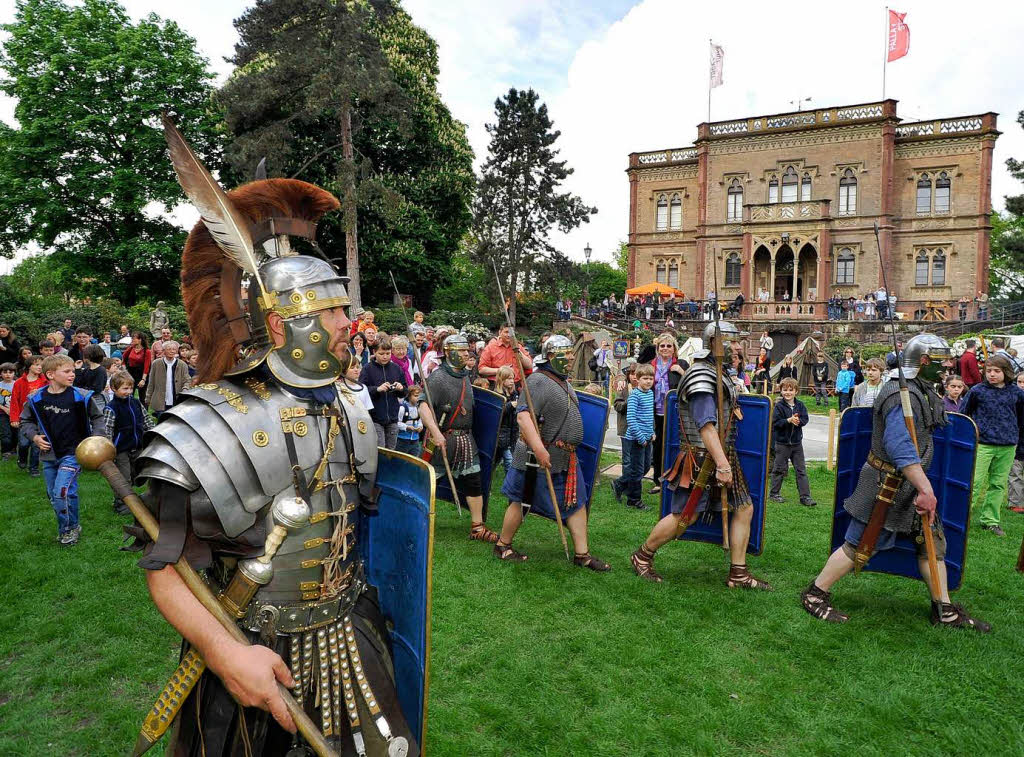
[(621, 76)]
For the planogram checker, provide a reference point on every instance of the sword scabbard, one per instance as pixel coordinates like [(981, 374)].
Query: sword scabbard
[(866, 547)]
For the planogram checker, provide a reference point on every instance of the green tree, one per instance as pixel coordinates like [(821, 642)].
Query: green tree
[(85, 161), (1006, 268), (622, 257), (604, 279), (518, 202), (345, 95)]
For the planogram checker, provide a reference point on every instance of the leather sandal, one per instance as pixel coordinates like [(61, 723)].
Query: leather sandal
[(480, 532), (955, 616), (643, 565), (505, 552), (819, 604), (587, 560), (741, 578)]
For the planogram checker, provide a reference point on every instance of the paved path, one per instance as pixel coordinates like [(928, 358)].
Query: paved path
[(815, 437)]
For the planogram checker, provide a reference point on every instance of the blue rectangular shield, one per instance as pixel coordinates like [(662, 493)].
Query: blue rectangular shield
[(487, 409), (951, 474), (753, 435), (594, 411), (397, 544)]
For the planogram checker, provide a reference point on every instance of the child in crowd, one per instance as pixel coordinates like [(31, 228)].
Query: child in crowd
[(997, 407), (7, 443), (481, 383), (410, 427), (1015, 484), (844, 385), (28, 453), (639, 437), (21, 366), (46, 348), (819, 372), (125, 422), (56, 418), (866, 391), (92, 376), (109, 364), (953, 398), (508, 431), (788, 419), (351, 367), (594, 388), (388, 388), (624, 384)]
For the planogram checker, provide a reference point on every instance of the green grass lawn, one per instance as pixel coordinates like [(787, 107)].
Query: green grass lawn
[(546, 659), (815, 409)]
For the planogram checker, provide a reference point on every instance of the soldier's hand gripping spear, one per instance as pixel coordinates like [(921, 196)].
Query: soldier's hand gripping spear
[(430, 402), (97, 453), (533, 413)]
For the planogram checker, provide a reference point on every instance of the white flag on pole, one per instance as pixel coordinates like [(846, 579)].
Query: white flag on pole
[(717, 58)]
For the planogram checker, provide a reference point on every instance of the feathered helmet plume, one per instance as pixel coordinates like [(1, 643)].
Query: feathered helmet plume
[(223, 291)]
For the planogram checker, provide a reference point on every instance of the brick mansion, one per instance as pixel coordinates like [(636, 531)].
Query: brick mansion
[(783, 207)]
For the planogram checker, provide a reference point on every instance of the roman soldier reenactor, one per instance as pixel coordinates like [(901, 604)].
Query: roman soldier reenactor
[(894, 484), (702, 447), (551, 448), (450, 424)]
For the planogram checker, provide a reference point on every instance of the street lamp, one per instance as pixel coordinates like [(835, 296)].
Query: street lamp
[(586, 282)]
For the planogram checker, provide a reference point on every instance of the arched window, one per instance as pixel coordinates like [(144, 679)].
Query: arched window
[(921, 269), (673, 275), (735, 207), (805, 187), (659, 275), (789, 185), (939, 268), (661, 220), (924, 195), (848, 194), (844, 266), (942, 193), (675, 216), (773, 189), (732, 270)]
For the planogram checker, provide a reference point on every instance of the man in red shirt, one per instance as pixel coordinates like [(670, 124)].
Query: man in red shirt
[(969, 365), (499, 352)]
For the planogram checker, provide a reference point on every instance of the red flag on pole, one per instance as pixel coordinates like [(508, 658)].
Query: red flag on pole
[(899, 36)]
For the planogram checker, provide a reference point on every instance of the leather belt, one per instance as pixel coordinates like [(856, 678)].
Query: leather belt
[(307, 615), (880, 465)]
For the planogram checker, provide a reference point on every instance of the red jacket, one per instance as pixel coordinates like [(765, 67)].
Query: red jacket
[(22, 389), (131, 358), (969, 369)]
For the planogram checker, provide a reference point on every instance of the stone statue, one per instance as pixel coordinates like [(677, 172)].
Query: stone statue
[(158, 319)]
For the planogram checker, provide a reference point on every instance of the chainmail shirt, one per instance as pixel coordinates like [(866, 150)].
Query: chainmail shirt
[(558, 413)]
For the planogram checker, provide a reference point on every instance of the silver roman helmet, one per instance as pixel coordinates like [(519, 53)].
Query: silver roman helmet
[(932, 346), (455, 348), (557, 352), (729, 333)]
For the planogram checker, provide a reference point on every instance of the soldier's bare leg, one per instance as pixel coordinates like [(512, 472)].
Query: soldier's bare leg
[(509, 527), (477, 528), (740, 576), (664, 531), (577, 523), (943, 588), (838, 565)]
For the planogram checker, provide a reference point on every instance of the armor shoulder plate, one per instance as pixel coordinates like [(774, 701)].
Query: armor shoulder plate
[(699, 378), (364, 437)]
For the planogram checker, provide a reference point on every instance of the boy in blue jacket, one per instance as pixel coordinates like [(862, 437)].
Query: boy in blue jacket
[(845, 381), (125, 421), (56, 418), (639, 438), (788, 419)]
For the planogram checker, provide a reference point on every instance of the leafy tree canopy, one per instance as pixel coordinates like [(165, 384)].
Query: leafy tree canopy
[(81, 173), (1006, 268), (518, 202), (344, 95)]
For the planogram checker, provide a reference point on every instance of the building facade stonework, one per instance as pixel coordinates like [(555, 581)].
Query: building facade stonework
[(783, 209)]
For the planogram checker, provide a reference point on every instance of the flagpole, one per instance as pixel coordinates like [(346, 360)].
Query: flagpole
[(885, 50), (710, 47)]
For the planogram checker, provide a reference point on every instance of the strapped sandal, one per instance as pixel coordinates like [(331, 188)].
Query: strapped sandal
[(587, 560), (643, 565), (741, 578), (819, 604), (480, 532), (955, 616), (505, 552)]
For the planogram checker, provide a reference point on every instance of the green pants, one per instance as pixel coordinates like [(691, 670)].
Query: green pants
[(991, 471)]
